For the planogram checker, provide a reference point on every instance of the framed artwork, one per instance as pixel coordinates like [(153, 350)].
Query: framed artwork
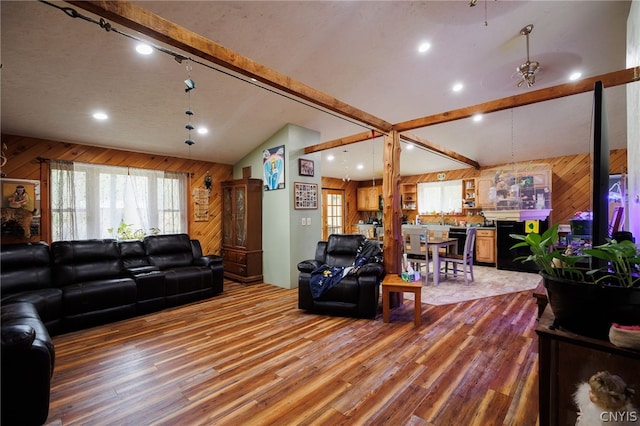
[(305, 167), (20, 207), (306, 195), (273, 168)]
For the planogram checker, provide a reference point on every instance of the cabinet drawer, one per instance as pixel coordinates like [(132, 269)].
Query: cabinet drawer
[(234, 256), (235, 268), (485, 233)]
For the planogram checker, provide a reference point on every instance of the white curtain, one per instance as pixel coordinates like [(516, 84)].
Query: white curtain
[(108, 199), (63, 201)]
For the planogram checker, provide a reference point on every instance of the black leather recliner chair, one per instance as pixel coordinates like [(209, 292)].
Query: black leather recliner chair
[(356, 294)]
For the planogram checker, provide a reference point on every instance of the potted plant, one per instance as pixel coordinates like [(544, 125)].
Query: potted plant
[(587, 300)]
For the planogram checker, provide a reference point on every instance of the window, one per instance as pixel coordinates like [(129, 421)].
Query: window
[(438, 197), (87, 201)]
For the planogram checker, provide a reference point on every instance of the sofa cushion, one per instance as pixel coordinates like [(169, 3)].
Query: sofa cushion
[(87, 260), (133, 255), (347, 291), (342, 249), (47, 301), (25, 267), (169, 251), (98, 295)]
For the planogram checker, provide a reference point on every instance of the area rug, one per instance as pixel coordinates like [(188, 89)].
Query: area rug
[(488, 282)]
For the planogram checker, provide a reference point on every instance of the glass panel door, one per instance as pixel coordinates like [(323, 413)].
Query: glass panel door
[(332, 212), (241, 216)]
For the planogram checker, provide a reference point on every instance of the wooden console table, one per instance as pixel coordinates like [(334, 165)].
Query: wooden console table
[(567, 359)]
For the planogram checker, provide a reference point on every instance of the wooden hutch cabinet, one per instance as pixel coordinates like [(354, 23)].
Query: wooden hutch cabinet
[(242, 230)]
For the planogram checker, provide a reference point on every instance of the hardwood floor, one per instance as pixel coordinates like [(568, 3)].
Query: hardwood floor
[(249, 356)]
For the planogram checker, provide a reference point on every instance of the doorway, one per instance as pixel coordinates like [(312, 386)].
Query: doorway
[(332, 212)]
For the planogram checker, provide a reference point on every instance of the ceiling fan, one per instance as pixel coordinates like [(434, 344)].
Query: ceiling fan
[(528, 69)]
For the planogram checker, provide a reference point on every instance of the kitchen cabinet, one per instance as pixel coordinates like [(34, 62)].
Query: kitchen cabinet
[(486, 246), (242, 230), (469, 202), (368, 198), (409, 193)]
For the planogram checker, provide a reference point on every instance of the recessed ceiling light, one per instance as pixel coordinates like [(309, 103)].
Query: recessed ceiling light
[(477, 117), (575, 75), (457, 87), (409, 146), (424, 47), (330, 157), (144, 49), (203, 130), (100, 116)]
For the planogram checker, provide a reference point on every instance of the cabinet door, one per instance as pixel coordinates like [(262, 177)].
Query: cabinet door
[(240, 216), (483, 187), (362, 199), (485, 249), (227, 216)]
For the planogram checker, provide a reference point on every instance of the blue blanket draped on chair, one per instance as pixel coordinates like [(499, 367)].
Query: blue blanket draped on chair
[(326, 277)]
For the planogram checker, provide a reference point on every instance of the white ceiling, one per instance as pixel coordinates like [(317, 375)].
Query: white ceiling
[(57, 70)]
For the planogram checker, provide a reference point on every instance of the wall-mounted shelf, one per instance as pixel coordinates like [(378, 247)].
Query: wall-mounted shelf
[(409, 194), (469, 201)]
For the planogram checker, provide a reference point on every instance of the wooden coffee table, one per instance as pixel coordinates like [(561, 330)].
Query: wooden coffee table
[(392, 283)]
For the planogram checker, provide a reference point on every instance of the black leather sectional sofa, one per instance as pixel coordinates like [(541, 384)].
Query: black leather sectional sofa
[(78, 284)]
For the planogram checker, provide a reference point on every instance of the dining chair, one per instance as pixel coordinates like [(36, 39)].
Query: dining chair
[(465, 259), (413, 242)]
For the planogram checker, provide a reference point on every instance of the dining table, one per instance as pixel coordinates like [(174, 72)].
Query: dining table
[(434, 244)]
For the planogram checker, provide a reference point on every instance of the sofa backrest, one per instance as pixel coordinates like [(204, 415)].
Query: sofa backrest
[(169, 251), (343, 248), (133, 254), (25, 267), (85, 260)]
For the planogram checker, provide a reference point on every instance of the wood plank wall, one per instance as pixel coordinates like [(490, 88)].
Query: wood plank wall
[(571, 185), (23, 154), (571, 178)]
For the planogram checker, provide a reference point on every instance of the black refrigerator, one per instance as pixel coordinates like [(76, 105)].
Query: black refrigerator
[(506, 255)]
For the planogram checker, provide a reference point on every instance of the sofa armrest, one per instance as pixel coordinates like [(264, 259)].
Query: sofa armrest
[(17, 337), (375, 269), (139, 270), (208, 260), (308, 265)]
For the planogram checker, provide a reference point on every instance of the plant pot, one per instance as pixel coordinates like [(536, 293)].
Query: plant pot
[(589, 309)]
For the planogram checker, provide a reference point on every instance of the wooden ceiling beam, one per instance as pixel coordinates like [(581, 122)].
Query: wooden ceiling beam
[(336, 143), (611, 79), (438, 149), (143, 21)]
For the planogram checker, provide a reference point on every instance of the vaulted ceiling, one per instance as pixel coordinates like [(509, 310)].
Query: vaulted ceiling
[(58, 70)]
